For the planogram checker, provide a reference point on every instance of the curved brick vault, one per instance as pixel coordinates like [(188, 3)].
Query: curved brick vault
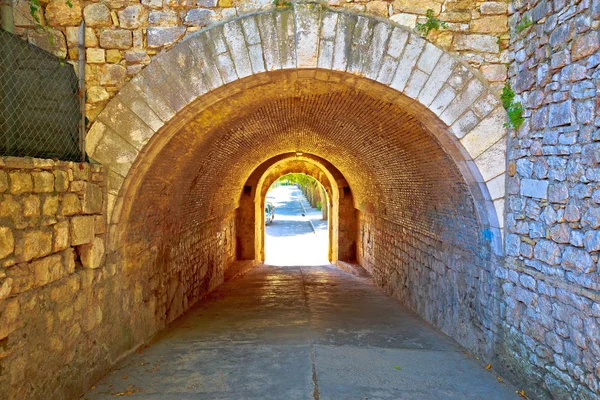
[(417, 136)]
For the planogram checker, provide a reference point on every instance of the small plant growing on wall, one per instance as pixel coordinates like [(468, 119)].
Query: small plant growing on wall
[(525, 23), (513, 108), (431, 23), (35, 10)]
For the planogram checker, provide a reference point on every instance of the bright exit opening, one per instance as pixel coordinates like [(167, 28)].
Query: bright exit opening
[(296, 219)]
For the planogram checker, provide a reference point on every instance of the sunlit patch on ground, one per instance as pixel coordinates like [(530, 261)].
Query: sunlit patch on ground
[(290, 239)]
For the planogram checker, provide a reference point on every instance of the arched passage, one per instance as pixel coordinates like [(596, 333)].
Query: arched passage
[(416, 133), (342, 226)]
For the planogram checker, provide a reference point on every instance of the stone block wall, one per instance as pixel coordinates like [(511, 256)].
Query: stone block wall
[(70, 304), (122, 36), (446, 281), (52, 241), (552, 280)]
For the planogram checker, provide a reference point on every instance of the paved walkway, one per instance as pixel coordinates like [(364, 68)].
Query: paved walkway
[(301, 333), (289, 239)]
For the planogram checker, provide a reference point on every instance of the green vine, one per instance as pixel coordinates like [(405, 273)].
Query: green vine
[(432, 23), (35, 10), (513, 108), (35, 7), (525, 23)]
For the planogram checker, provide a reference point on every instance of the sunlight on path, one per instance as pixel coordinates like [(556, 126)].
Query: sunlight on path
[(290, 240)]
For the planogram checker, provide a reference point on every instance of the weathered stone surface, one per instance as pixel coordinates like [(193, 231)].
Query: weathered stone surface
[(495, 24), (33, 244), (95, 56), (22, 16), (9, 320), (136, 56), (534, 188), (379, 8), (82, 230), (97, 94), (50, 39), (97, 15), (420, 7), (558, 193), (43, 182), (50, 206), (113, 56), (577, 259), (198, 17), (152, 3), (59, 13), (7, 242), (132, 17), (585, 45), (408, 20), (560, 114), (159, 37), (92, 199), (61, 236), (163, 18), (482, 43), (70, 204), (3, 181), (31, 206), (116, 39), (494, 72), (92, 255), (61, 180), (548, 252), (493, 7), (47, 270), (20, 182), (113, 75)]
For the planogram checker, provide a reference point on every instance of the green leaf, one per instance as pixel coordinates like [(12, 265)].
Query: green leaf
[(507, 96), (398, 368)]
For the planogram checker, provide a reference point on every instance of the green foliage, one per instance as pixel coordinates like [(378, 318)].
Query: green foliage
[(525, 23), (507, 96), (432, 23), (282, 3), (319, 205), (513, 109), (35, 8), (301, 179)]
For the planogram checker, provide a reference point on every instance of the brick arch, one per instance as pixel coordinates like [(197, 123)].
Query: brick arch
[(310, 40), (424, 157)]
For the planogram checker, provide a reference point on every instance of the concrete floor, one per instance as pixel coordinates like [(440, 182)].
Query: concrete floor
[(301, 332)]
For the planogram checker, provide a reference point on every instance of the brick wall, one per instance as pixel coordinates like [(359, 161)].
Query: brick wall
[(551, 281)]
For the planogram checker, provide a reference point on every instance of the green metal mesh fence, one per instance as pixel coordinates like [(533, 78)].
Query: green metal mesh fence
[(39, 103)]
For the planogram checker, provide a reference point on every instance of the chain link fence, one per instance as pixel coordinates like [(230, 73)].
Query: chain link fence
[(40, 109)]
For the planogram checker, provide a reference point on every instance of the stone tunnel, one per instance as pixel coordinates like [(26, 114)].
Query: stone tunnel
[(407, 139)]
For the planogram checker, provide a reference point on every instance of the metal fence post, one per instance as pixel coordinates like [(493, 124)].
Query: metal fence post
[(82, 124)]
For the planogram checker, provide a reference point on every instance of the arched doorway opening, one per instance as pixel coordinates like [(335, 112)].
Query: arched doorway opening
[(419, 169), (296, 226)]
